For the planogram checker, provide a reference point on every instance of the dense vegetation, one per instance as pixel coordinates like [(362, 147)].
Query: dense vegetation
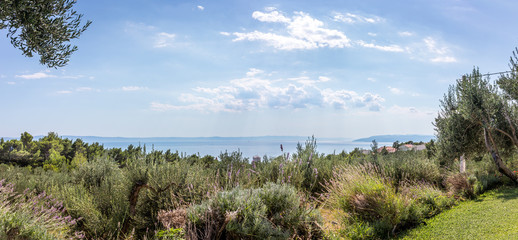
[(132, 193)]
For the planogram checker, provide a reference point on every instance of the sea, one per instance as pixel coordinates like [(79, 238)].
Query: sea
[(214, 146)]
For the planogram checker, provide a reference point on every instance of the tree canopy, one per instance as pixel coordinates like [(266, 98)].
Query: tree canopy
[(43, 27), (478, 115)]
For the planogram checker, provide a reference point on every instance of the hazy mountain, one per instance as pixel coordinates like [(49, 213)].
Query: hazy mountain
[(393, 138)]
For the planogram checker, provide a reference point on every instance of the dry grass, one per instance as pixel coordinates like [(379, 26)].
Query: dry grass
[(173, 219), (460, 186), (332, 218)]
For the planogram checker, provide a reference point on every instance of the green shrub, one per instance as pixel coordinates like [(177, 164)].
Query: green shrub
[(486, 182), (427, 201), (460, 185), (171, 234), (33, 216), (98, 193), (271, 212), (372, 206), (409, 166)]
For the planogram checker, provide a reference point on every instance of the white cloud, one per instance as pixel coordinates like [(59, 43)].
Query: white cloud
[(439, 53), (132, 88), (38, 75), (73, 76), (132, 27), (406, 34), (444, 59), (302, 32), (46, 74), (276, 41), (11, 83), (355, 18), (430, 49), (152, 36), (431, 44), (161, 107), (394, 90), (164, 39), (253, 71), (370, 79), (200, 7), (323, 79), (341, 99), (273, 16), (79, 89), (398, 91), (84, 89), (410, 111), (255, 93), (389, 48)]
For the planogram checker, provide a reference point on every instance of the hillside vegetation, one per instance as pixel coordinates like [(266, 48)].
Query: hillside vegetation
[(134, 194)]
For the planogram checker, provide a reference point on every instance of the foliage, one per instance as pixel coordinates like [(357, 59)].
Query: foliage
[(33, 216), (98, 193), (409, 166), (372, 206), (461, 185), (42, 27), (480, 116), (131, 193), (273, 211), (173, 234)]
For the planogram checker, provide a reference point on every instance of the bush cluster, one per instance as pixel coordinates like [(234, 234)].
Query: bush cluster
[(271, 212), (29, 215), (374, 208), (135, 194)]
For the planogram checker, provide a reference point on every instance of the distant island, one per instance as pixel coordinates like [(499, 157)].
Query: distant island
[(393, 138), (378, 138)]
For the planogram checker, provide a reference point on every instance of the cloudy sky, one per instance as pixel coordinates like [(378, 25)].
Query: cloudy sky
[(255, 68)]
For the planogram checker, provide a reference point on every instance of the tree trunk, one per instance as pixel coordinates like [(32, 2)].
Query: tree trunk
[(133, 199), (496, 157), (462, 163)]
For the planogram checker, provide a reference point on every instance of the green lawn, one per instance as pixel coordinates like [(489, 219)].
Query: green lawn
[(494, 215)]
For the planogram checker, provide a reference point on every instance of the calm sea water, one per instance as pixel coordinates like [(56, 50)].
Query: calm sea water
[(249, 146)]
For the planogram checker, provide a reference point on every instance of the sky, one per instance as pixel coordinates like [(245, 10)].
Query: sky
[(232, 68)]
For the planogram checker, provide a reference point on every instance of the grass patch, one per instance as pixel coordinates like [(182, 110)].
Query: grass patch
[(492, 216)]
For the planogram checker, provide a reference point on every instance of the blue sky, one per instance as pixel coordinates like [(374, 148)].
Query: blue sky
[(256, 68)]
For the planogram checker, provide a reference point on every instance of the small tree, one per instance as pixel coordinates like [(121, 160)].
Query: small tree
[(396, 144), (479, 116), (374, 149)]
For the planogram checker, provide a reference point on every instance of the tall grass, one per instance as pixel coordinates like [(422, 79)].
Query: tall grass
[(29, 215), (130, 193), (374, 207), (271, 212)]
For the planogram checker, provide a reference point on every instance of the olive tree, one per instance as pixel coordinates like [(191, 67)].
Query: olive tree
[(43, 27), (479, 116)]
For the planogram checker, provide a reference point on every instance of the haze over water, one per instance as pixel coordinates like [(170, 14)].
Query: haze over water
[(249, 146)]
